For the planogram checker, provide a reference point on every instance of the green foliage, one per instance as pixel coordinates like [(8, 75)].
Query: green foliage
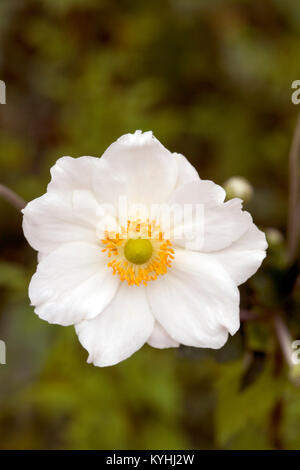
[(238, 409)]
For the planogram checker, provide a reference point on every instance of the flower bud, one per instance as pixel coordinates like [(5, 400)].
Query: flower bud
[(274, 237), (237, 186)]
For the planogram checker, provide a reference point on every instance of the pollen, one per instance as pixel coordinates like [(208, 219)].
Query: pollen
[(138, 253)]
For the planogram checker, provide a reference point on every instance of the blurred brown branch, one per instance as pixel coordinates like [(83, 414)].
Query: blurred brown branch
[(247, 315), (293, 225), (11, 197), (284, 338)]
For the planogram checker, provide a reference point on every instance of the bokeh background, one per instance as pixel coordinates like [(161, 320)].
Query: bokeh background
[(212, 79)]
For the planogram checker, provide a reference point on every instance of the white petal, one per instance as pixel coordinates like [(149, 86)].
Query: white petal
[(199, 192), (90, 174), (160, 339), (143, 166), (71, 284), (40, 256), (196, 301), (81, 190), (211, 224), (120, 330), (74, 173), (186, 172), (243, 258), (52, 220), (223, 224)]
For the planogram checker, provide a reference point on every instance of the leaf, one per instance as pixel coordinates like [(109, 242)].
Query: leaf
[(236, 408)]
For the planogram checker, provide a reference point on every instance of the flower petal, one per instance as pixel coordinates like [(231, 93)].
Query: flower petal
[(224, 224), (186, 172), (90, 174), (74, 173), (71, 284), (212, 224), (199, 192), (120, 330), (243, 258), (143, 166), (196, 301), (52, 220), (160, 339)]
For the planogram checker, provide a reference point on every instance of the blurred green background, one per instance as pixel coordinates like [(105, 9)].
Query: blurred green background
[(212, 79)]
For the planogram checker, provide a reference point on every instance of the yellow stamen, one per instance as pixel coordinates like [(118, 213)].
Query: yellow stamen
[(139, 252)]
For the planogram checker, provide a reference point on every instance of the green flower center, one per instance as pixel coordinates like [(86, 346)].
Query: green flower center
[(138, 250)]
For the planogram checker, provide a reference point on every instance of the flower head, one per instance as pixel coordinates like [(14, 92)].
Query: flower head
[(237, 186), (134, 247)]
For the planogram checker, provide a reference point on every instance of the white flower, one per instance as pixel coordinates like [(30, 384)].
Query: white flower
[(125, 287)]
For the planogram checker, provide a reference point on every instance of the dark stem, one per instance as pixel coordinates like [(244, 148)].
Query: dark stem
[(292, 230), (284, 339), (247, 315), (275, 425)]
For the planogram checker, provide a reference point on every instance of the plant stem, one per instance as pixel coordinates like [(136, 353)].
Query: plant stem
[(10, 196), (247, 315), (284, 339), (292, 230)]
